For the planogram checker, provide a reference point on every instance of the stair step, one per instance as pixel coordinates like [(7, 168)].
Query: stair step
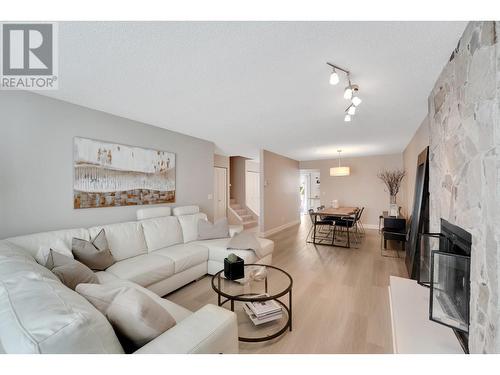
[(246, 217), (241, 211), (249, 224), (236, 207), (232, 201)]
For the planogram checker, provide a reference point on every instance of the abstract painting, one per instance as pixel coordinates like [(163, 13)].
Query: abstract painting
[(110, 174)]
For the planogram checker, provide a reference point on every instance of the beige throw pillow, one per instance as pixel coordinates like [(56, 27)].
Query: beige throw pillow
[(245, 241), (133, 314), (209, 231), (69, 271), (94, 254)]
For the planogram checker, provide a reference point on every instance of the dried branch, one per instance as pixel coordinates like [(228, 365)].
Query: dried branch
[(392, 179)]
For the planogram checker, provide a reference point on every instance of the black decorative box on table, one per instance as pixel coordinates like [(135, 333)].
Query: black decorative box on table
[(234, 270)]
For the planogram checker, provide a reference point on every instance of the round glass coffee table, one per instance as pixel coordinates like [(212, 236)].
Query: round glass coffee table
[(270, 280)]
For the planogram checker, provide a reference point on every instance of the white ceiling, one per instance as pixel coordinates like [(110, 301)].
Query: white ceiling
[(252, 85)]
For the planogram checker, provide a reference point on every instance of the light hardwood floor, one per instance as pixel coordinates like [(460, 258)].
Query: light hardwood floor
[(340, 296)]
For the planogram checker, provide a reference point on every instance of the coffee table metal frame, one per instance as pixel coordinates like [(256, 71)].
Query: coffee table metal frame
[(247, 297)]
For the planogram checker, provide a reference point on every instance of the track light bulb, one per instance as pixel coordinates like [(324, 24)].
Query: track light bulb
[(352, 110), (334, 77), (348, 93), (356, 101), (347, 118)]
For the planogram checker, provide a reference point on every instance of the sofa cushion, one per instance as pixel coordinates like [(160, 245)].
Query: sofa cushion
[(8, 251), (144, 269), (151, 212), (70, 271), (234, 229), (60, 239), (218, 249), (44, 251), (247, 241), (162, 232), (125, 240), (15, 261), (94, 254), (105, 277), (209, 231), (136, 317), (185, 210), (189, 225), (40, 315), (184, 256), (178, 312)]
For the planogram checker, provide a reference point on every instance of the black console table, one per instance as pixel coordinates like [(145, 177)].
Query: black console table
[(394, 229)]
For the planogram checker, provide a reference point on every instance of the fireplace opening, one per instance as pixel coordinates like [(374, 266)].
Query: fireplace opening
[(449, 279)]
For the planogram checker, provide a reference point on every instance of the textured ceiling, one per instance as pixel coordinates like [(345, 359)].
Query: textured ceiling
[(252, 85)]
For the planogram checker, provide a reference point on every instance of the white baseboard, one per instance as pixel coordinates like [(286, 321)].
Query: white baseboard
[(279, 229)]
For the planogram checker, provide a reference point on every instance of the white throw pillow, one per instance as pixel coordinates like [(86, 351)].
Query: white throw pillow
[(134, 315), (209, 231), (189, 225), (246, 241)]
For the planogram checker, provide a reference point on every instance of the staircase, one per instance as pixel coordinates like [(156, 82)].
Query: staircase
[(247, 218)]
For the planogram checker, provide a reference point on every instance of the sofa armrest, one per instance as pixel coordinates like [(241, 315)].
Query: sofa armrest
[(235, 229), (210, 330)]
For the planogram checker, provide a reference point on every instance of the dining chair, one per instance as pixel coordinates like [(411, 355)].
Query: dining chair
[(396, 230), (317, 225), (359, 224), (348, 224)]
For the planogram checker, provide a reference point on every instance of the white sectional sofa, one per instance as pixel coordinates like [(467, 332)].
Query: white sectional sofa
[(158, 254)]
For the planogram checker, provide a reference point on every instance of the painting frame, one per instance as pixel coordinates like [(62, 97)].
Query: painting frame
[(112, 174)]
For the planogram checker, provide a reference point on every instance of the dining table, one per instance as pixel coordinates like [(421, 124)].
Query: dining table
[(339, 211), (330, 211)]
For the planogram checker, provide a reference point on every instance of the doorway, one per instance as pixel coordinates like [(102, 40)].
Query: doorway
[(309, 190), (220, 192)]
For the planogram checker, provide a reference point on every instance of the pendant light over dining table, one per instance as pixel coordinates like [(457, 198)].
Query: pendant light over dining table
[(351, 92), (340, 171)]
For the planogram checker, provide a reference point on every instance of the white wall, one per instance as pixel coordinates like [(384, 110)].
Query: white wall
[(362, 188), (280, 182), (237, 178), (36, 163), (252, 186)]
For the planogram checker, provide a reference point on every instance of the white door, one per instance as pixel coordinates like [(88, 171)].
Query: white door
[(220, 192)]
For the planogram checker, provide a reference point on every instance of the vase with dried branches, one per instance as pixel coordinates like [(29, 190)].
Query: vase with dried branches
[(392, 179)]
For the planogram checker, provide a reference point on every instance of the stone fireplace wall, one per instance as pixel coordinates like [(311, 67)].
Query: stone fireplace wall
[(465, 168)]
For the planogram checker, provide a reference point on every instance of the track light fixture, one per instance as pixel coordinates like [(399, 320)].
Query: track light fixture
[(350, 92)]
